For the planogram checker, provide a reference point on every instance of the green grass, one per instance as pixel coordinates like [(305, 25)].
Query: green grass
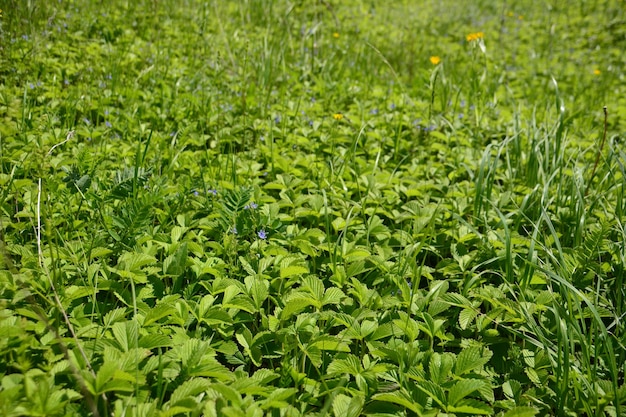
[(285, 208)]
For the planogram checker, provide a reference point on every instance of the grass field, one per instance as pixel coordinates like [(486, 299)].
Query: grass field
[(322, 208)]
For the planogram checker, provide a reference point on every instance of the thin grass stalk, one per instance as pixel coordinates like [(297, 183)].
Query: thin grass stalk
[(595, 164)]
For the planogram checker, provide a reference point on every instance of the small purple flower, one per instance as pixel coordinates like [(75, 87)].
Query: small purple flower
[(460, 115), (25, 37), (196, 193), (277, 119), (462, 103), (253, 206), (108, 124), (66, 82), (109, 77), (374, 111), (86, 121), (262, 234), (106, 112), (213, 191), (31, 86), (234, 230), (393, 106)]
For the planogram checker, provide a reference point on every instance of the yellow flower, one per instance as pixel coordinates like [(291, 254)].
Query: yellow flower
[(336, 35), (337, 116), (0, 12), (597, 72), (474, 36), (435, 60)]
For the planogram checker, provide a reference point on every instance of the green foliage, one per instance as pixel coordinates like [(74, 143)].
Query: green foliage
[(293, 208)]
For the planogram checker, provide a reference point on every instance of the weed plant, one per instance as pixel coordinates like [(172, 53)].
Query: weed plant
[(283, 208)]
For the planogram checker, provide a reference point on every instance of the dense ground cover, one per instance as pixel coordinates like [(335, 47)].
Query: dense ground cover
[(312, 208)]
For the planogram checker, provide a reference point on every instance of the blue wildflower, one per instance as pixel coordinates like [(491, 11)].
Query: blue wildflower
[(262, 234)]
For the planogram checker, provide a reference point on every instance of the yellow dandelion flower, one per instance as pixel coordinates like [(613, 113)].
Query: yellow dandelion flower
[(597, 72), (510, 14), (337, 116), (474, 36), (520, 17), (336, 35), (435, 60)]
